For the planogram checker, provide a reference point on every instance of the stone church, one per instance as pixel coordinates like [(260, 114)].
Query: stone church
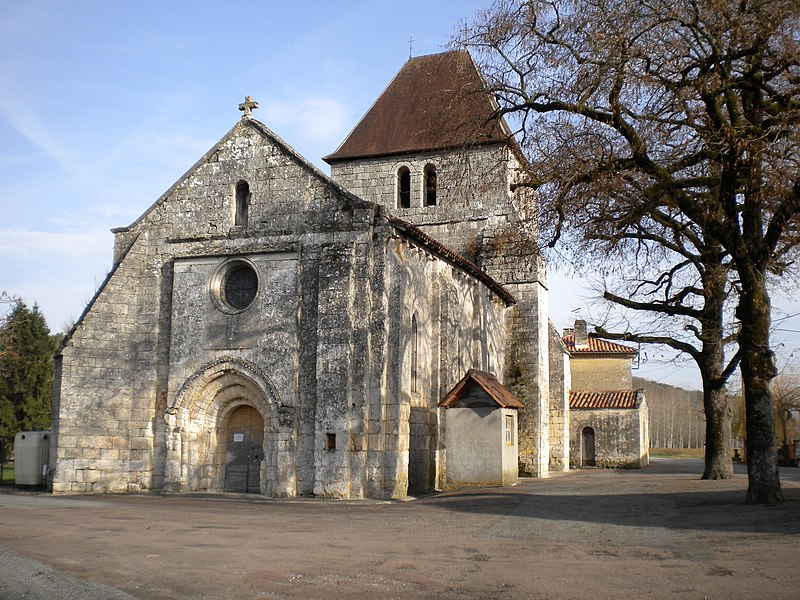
[(271, 329)]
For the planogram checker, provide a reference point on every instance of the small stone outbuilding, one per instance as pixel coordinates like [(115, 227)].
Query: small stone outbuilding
[(481, 439), (608, 419)]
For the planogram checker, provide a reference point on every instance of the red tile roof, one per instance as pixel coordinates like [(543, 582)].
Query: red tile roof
[(489, 383), (435, 102), (597, 346), (614, 399)]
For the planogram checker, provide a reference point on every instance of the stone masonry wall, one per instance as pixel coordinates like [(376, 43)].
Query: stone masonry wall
[(460, 325), (599, 374), (617, 436), (559, 402), (482, 215), (122, 366), (106, 405), (473, 201), (527, 374)]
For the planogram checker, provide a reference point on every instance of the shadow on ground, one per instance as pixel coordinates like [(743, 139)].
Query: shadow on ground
[(670, 496)]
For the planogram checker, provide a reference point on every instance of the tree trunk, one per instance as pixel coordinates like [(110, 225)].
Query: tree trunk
[(758, 369), (719, 451), (719, 462)]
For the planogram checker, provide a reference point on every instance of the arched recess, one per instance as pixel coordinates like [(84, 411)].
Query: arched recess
[(403, 187), (429, 185), (588, 447), (242, 204), (198, 419)]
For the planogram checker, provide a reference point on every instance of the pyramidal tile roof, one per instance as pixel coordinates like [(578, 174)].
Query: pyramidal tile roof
[(435, 102), (486, 381), (596, 345), (613, 399)]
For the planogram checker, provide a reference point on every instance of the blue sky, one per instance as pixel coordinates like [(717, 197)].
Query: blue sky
[(104, 104)]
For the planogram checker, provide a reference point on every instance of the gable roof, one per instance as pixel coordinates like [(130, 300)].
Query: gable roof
[(613, 399), (273, 138), (597, 345), (399, 225), (488, 383), (435, 102)]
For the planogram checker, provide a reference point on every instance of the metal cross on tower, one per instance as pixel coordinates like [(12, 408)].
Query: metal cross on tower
[(248, 105)]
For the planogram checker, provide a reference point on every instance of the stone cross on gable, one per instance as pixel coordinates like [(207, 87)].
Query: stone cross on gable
[(248, 105)]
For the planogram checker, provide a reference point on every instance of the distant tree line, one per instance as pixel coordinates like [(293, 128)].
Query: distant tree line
[(677, 419), (26, 368)]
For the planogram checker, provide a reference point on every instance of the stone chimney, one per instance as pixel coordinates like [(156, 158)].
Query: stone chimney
[(581, 337)]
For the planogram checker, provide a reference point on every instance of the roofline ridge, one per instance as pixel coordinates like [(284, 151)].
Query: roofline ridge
[(449, 51), (367, 112), (449, 255), (171, 188), (503, 136)]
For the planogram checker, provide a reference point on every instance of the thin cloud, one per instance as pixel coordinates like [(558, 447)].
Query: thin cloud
[(320, 119), (26, 123), (27, 243), (58, 270)]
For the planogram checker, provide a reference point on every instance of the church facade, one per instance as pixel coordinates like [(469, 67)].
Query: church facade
[(267, 328)]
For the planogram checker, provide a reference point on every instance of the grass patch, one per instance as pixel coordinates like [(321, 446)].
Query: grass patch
[(677, 452), (8, 474)]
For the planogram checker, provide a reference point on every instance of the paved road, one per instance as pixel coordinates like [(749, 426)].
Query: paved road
[(657, 533)]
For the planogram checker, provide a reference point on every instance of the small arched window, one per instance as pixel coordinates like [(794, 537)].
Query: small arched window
[(430, 185), (414, 356), (403, 188), (242, 204)]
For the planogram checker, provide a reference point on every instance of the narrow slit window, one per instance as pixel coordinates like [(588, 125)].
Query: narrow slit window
[(430, 185), (509, 430), (330, 442), (242, 204), (403, 188)]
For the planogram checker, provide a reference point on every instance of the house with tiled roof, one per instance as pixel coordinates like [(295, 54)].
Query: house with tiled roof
[(608, 418)]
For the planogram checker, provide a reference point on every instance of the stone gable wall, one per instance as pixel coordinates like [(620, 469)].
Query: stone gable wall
[(119, 369), (151, 373)]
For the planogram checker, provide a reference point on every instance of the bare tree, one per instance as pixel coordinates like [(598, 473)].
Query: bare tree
[(682, 282), (678, 113)]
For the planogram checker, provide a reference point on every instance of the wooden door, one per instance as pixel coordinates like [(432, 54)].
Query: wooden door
[(587, 439), (245, 450)]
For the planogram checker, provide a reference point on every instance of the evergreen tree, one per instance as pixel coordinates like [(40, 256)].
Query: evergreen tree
[(26, 370)]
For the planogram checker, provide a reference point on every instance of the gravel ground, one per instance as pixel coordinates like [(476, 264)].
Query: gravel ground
[(659, 532)]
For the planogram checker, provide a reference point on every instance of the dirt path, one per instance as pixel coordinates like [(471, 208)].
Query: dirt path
[(656, 533)]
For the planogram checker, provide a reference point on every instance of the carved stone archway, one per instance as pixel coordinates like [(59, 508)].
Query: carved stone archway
[(195, 457)]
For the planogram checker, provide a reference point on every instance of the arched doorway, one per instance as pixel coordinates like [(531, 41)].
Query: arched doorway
[(244, 450), (587, 447), (204, 421)]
